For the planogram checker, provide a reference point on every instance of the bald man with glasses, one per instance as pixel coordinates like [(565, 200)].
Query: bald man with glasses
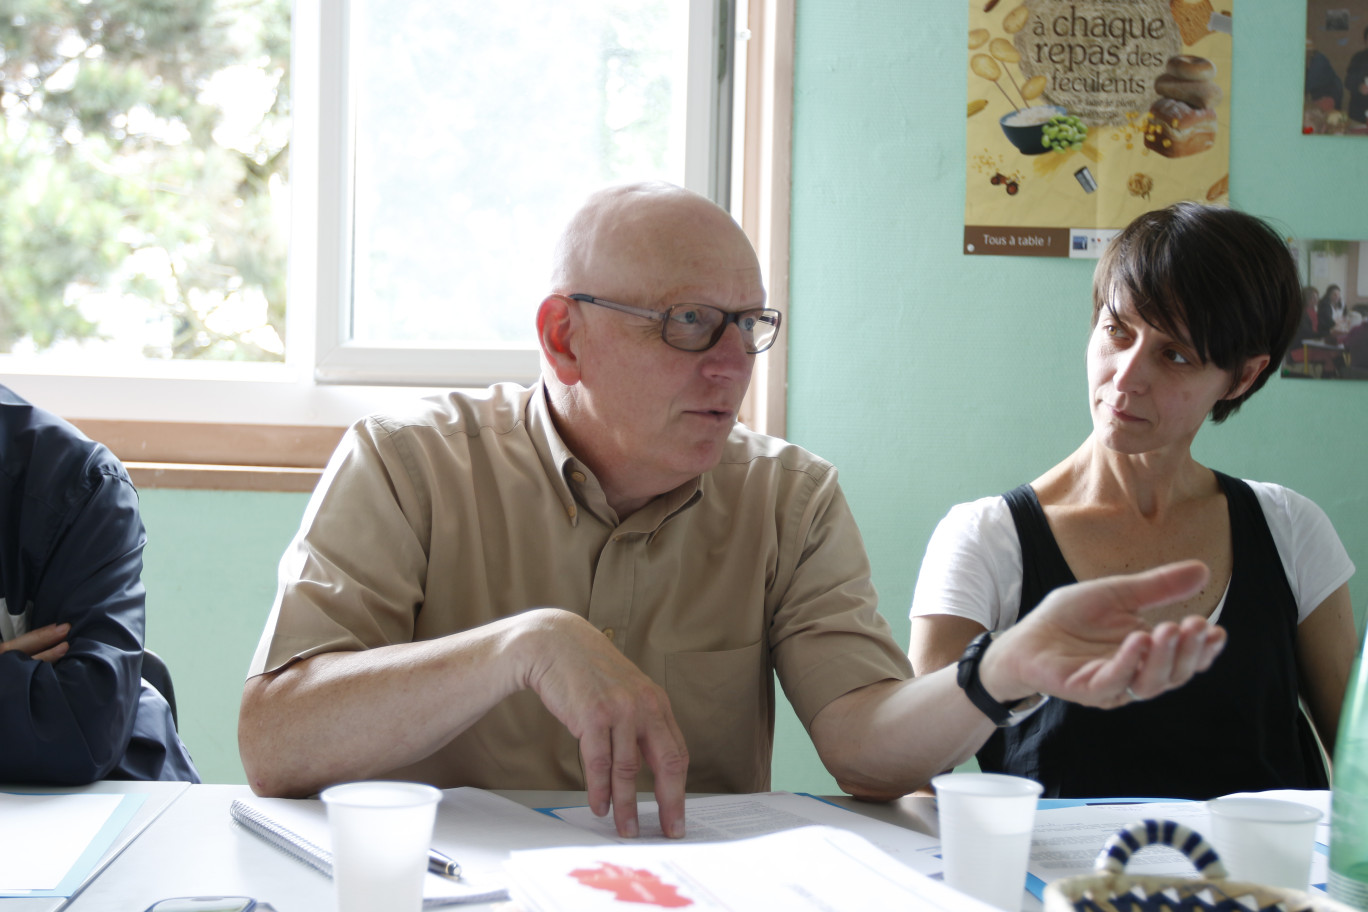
[(589, 584)]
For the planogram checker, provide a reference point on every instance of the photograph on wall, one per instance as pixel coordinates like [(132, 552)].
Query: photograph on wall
[(1336, 100), (1083, 114), (1332, 338)]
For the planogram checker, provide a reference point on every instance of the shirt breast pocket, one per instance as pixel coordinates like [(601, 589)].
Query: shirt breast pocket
[(723, 703)]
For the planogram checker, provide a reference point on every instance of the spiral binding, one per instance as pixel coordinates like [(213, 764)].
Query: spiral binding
[(287, 841)]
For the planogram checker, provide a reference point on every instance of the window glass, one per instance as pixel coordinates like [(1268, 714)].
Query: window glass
[(143, 149), (478, 128), (144, 155)]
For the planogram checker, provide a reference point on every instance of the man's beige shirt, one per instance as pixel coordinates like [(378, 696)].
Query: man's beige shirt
[(471, 509)]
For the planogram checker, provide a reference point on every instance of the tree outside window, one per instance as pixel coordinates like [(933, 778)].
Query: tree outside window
[(143, 178)]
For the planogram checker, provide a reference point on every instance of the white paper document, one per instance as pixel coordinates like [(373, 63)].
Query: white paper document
[(824, 869), (1065, 841), (726, 817), (50, 842)]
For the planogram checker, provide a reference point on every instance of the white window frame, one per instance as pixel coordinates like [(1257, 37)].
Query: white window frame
[(327, 382)]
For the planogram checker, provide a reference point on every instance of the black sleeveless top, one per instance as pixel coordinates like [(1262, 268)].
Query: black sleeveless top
[(1236, 727)]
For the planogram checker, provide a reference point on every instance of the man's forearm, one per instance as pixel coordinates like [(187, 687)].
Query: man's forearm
[(356, 715), (1085, 643), (887, 739)]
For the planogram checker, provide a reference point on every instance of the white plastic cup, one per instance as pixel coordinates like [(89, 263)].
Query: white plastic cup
[(985, 833), (1264, 840), (381, 833)]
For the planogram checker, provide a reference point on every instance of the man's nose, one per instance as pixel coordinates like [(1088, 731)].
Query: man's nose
[(728, 358)]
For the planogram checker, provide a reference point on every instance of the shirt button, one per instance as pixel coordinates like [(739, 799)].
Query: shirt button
[(570, 511), (608, 632), (577, 477)]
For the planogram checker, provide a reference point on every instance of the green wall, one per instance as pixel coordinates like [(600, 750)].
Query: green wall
[(210, 568), (927, 376)]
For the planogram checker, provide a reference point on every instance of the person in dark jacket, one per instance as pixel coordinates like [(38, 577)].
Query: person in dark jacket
[(1323, 86), (73, 705), (1356, 81)]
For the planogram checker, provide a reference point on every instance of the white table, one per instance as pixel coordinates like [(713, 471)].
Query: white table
[(187, 845), (159, 796)]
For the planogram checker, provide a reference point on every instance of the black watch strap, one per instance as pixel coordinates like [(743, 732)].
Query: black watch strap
[(967, 674)]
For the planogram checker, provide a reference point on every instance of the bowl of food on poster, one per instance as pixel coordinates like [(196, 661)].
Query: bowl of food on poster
[(1043, 128)]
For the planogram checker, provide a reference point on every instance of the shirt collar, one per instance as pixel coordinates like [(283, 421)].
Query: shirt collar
[(576, 485), (556, 458)]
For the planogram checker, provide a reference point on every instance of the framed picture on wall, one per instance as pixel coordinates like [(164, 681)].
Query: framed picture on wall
[(1336, 88), (1332, 338)]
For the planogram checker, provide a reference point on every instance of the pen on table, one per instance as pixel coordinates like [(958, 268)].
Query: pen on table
[(440, 864)]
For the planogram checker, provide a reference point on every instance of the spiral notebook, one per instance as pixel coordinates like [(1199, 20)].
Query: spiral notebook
[(300, 829)]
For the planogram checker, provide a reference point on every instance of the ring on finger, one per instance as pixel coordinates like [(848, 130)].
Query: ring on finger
[(1132, 694)]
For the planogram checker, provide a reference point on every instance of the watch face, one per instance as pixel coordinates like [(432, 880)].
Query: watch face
[(205, 904)]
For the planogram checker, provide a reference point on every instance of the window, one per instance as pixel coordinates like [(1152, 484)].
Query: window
[(144, 149), (472, 132), (364, 307)]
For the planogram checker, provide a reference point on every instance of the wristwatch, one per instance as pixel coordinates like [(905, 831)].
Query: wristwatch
[(1004, 715)]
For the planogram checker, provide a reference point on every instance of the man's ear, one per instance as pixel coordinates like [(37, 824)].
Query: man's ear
[(1248, 374), (559, 324)]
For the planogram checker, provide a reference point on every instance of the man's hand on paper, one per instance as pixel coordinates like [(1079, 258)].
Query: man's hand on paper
[(620, 716), (1090, 642)]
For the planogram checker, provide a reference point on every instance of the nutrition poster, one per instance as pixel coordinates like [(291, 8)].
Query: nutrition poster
[(1082, 114)]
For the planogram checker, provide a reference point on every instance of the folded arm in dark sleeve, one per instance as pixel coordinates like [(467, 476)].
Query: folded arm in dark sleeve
[(75, 555)]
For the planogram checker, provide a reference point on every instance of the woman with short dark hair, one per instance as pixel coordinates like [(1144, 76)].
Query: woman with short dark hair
[(1193, 309)]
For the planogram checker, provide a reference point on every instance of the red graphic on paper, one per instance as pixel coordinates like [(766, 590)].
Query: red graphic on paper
[(635, 885)]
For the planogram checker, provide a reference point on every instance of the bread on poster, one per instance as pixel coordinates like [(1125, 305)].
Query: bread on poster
[(1200, 93), (1192, 17), (1178, 129), (1182, 121), (1186, 66), (1218, 189)]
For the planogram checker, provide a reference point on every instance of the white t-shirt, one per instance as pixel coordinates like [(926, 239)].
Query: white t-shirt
[(14, 625), (972, 568)]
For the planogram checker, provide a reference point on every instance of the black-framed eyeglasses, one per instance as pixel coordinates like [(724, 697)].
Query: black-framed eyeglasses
[(698, 327)]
